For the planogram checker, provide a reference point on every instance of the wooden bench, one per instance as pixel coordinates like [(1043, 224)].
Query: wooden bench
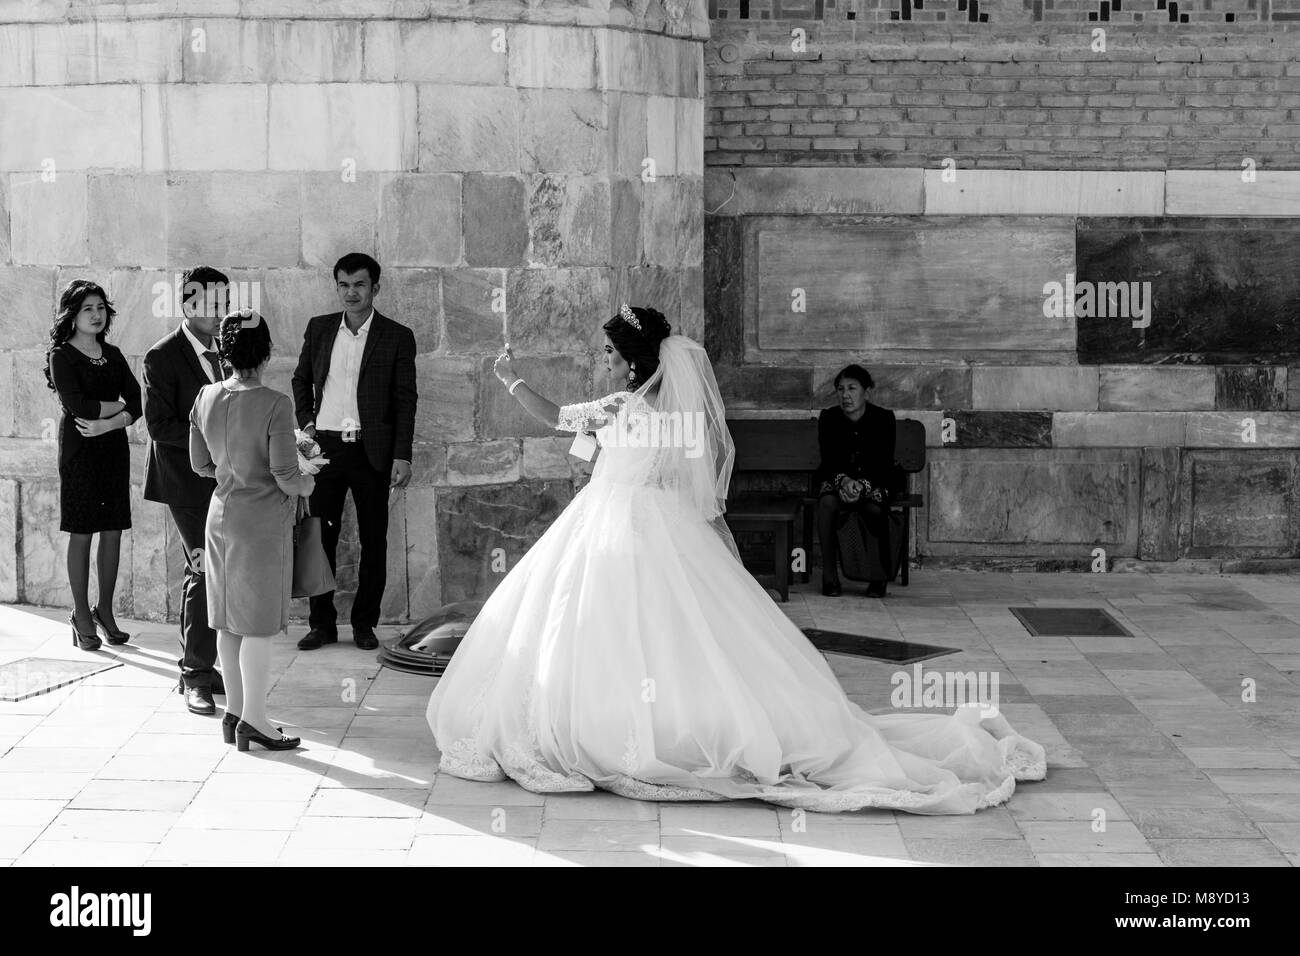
[(791, 445)]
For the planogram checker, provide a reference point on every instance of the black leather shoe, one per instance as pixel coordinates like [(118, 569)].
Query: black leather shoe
[(876, 589), (364, 638), (831, 589), (199, 701), (317, 638)]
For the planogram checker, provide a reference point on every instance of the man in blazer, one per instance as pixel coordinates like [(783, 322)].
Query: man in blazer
[(354, 392), (175, 369)]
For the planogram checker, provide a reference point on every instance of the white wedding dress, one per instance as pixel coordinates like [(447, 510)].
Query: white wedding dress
[(629, 650)]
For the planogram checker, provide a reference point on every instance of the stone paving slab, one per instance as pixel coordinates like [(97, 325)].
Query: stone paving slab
[(1155, 756)]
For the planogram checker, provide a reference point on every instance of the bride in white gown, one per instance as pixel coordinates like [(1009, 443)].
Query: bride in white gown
[(629, 649)]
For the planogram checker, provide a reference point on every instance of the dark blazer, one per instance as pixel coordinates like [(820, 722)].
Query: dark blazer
[(861, 449), (386, 394), (79, 396), (173, 378)]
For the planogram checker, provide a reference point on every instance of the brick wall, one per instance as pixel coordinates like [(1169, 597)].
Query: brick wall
[(1045, 102)]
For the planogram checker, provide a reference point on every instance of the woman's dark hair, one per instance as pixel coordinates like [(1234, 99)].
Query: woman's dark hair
[(71, 299), (243, 348), (639, 347), (858, 374)]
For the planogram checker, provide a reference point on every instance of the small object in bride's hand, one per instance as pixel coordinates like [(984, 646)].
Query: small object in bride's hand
[(584, 446), (309, 454)]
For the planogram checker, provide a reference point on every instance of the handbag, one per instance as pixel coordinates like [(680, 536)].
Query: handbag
[(311, 569), (859, 551)]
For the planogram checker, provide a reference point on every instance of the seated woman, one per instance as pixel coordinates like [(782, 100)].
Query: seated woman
[(857, 472)]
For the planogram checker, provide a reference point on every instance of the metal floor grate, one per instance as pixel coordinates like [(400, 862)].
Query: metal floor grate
[(1069, 622), (31, 676), (874, 648)]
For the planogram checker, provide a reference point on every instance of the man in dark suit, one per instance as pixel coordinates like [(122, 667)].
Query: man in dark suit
[(175, 369), (354, 391)]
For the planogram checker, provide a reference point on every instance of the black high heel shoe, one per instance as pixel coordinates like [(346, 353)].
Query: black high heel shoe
[(228, 723), (87, 642), (113, 636), (246, 734)]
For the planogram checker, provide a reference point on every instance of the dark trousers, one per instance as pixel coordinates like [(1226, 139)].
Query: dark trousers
[(832, 513), (350, 470), (198, 640)]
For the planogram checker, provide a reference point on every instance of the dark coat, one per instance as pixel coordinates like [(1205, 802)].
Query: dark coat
[(861, 449), (386, 393), (173, 378)]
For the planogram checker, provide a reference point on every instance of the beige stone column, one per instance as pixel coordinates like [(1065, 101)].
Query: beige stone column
[(518, 169)]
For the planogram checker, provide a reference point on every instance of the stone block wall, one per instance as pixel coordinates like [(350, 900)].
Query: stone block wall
[(518, 169)]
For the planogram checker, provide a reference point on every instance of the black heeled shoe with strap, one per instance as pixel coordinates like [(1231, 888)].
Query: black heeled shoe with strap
[(113, 635), (228, 724), (246, 734), (87, 642)]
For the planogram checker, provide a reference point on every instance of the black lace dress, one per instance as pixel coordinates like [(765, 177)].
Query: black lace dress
[(94, 473)]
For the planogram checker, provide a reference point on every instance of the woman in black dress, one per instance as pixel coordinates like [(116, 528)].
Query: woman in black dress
[(857, 472), (100, 398)]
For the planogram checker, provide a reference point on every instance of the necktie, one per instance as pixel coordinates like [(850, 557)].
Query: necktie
[(211, 356)]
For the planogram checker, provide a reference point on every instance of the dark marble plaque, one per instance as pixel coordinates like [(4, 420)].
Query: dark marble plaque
[(1002, 429), (1032, 504), (765, 386), (943, 285), (1249, 388), (1240, 503), (724, 327), (903, 386), (1223, 290), (1158, 523)]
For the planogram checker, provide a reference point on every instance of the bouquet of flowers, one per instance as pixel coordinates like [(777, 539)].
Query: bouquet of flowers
[(309, 455)]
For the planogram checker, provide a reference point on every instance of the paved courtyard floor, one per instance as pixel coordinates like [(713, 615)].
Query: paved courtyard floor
[(1177, 746)]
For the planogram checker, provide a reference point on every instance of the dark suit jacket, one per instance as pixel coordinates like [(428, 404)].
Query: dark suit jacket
[(172, 380), (386, 395), (861, 449)]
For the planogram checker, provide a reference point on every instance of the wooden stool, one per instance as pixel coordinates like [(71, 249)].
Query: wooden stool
[(774, 515)]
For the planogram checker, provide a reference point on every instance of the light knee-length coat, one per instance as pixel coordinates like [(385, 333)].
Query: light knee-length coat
[(243, 437)]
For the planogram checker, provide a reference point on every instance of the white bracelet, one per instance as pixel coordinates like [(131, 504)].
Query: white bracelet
[(515, 384)]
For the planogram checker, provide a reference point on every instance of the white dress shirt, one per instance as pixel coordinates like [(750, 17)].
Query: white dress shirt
[(338, 404), (201, 351)]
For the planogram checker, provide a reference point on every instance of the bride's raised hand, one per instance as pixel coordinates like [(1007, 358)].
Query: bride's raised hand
[(503, 368)]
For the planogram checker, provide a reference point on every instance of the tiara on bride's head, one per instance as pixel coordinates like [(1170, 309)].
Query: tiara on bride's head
[(630, 317)]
